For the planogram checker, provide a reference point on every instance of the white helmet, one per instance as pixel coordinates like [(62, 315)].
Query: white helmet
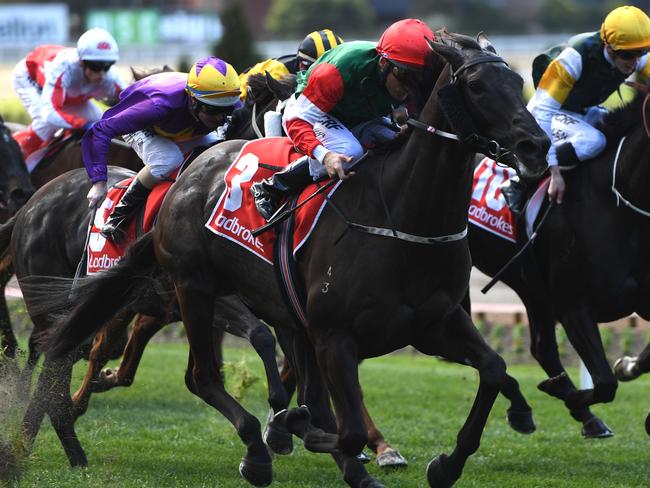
[(97, 45)]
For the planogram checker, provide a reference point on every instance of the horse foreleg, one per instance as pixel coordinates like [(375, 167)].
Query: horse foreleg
[(106, 342), (8, 341), (459, 341)]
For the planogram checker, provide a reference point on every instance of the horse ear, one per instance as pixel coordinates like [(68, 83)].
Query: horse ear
[(167, 69), (448, 52), (276, 87), (485, 43)]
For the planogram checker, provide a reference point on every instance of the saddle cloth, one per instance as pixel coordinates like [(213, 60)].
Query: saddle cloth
[(103, 253), (488, 208), (235, 215), (51, 150)]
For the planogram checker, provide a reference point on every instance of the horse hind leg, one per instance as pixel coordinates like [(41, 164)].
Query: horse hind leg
[(106, 342), (203, 378), (459, 341)]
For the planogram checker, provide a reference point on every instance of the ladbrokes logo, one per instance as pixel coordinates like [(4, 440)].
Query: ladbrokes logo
[(100, 263), (233, 227), (495, 222)]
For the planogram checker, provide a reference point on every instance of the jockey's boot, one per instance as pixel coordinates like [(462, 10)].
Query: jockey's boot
[(268, 193), (516, 193), (115, 227), (28, 141)]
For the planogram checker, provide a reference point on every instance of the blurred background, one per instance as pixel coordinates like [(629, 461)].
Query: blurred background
[(177, 32)]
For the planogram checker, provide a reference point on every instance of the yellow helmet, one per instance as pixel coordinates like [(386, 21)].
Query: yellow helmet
[(315, 44), (626, 28), (213, 82)]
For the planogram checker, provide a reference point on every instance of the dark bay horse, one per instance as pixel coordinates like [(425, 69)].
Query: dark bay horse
[(366, 295), (589, 264)]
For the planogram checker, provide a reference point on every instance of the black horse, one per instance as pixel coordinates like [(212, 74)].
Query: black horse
[(366, 295), (589, 263)]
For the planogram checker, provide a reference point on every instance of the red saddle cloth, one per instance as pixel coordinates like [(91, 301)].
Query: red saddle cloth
[(103, 253), (235, 215), (488, 208)]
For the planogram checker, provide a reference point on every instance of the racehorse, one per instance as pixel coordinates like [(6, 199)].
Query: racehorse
[(589, 263), (366, 295), (628, 368), (33, 251)]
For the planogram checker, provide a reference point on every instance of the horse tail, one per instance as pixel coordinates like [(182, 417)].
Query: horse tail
[(100, 297), (6, 259)]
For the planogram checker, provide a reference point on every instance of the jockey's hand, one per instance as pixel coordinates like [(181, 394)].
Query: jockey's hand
[(97, 194), (557, 187), (334, 162)]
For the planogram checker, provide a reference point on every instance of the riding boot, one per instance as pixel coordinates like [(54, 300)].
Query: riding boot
[(115, 227), (268, 193), (516, 193)]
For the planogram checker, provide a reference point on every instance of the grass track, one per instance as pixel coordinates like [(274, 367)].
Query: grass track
[(156, 434)]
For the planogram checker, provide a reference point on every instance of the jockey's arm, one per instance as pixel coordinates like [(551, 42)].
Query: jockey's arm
[(54, 96), (323, 91)]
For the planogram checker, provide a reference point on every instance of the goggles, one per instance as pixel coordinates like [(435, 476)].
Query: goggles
[(405, 75), (630, 55), (98, 66), (303, 64), (214, 109)]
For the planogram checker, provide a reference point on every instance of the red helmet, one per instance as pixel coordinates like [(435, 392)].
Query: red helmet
[(404, 43)]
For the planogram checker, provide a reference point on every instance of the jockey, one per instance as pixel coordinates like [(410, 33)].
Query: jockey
[(566, 103), (347, 92), (55, 85), (162, 117), (311, 48)]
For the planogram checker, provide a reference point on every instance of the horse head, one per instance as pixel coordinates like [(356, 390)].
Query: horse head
[(15, 184), (482, 100), (264, 92)]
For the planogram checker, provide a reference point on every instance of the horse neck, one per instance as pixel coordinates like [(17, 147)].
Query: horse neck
[(432, 178)]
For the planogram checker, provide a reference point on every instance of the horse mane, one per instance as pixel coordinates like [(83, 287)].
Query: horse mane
[(624, 119), (259, 90)]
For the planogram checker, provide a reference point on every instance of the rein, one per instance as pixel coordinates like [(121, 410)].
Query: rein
[(619, 197)]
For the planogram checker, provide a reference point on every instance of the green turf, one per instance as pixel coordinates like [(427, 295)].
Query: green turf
[(156, 434)]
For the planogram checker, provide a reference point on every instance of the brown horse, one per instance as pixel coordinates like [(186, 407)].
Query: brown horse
[(366, 295)]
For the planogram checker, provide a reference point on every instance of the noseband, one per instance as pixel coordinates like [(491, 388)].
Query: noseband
[(452, 104)]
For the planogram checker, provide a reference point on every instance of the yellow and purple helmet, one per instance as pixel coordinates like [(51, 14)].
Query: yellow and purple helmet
[(212, 81), (626, 29)]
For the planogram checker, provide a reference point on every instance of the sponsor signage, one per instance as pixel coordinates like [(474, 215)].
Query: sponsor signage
[(34, 24)]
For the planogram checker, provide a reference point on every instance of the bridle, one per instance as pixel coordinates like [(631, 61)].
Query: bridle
[(460, 117)]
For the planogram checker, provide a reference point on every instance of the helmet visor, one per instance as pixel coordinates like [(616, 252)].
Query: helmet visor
[(98, 66), (629, 55)]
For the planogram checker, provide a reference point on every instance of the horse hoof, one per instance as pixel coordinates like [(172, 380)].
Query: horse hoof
[(391, 458), (437, 473), (257, 474), (624, 369), (594, 428), (297, 420), (522, 422), (278, 438), (363, 458), (647, 424)]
